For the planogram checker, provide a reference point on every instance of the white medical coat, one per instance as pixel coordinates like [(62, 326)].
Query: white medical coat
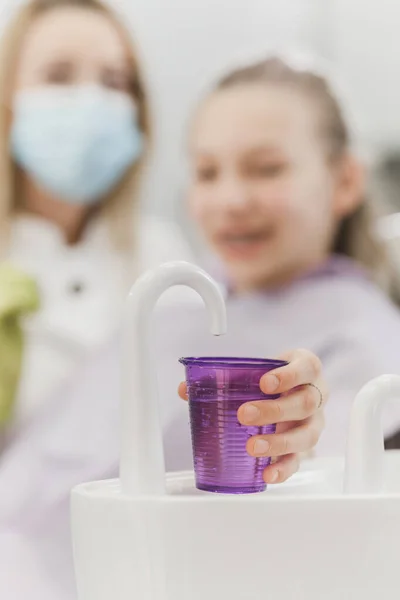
[(82, 288)]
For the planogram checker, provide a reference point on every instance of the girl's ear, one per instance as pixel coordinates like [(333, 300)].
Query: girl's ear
[(350, 186)]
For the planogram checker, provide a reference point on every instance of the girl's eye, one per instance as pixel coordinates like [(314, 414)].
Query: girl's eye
[(206, 174), (267, 170)]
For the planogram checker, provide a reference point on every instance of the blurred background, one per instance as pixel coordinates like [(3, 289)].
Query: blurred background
[(359, 38)]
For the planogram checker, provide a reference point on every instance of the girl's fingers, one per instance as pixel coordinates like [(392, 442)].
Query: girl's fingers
[(304, 367), (283, 468), (182, 391), (301, 438), (302, 403)]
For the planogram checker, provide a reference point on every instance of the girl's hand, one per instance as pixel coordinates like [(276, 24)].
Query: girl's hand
[(298, 413)]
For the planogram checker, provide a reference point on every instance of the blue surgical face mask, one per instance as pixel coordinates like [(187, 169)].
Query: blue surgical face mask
[(77, 142)]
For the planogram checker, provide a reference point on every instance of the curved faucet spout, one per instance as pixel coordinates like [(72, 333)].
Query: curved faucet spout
[(142, 468)]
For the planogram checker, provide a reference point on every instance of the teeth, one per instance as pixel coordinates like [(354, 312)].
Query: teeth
[(243, 239)]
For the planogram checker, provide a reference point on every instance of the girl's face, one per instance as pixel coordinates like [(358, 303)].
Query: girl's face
[(72, 46), (262, 190)]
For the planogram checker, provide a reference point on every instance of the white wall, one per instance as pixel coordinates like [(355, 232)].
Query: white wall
[(367, 52)]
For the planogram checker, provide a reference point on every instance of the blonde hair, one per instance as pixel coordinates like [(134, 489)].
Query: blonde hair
[(356, 236), (120, 206)]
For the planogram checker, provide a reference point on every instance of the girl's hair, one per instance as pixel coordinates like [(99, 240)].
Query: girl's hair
[(356, 236), (119, 207)]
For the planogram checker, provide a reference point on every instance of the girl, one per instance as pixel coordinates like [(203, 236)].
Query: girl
[(74, 131), (279, 197)]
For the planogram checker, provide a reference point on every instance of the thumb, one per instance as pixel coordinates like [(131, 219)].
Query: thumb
[(182, 391)]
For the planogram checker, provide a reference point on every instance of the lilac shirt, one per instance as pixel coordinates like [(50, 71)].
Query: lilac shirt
[(335, 311)]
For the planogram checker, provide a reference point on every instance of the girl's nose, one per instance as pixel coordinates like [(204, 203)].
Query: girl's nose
[(234, 196)]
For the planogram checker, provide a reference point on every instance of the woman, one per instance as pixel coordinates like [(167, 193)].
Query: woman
[(74, 131)]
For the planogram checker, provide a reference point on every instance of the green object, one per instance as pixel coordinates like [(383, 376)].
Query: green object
[(18, 297)]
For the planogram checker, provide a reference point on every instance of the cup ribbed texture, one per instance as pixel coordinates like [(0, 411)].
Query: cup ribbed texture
[(217, 388)]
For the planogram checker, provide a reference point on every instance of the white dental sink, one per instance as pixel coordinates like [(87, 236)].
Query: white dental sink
[(330, 533)]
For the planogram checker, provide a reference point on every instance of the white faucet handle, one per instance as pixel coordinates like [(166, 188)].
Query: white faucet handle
[(364, 472)]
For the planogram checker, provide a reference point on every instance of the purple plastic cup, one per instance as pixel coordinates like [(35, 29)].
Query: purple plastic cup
[(217, 387)]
